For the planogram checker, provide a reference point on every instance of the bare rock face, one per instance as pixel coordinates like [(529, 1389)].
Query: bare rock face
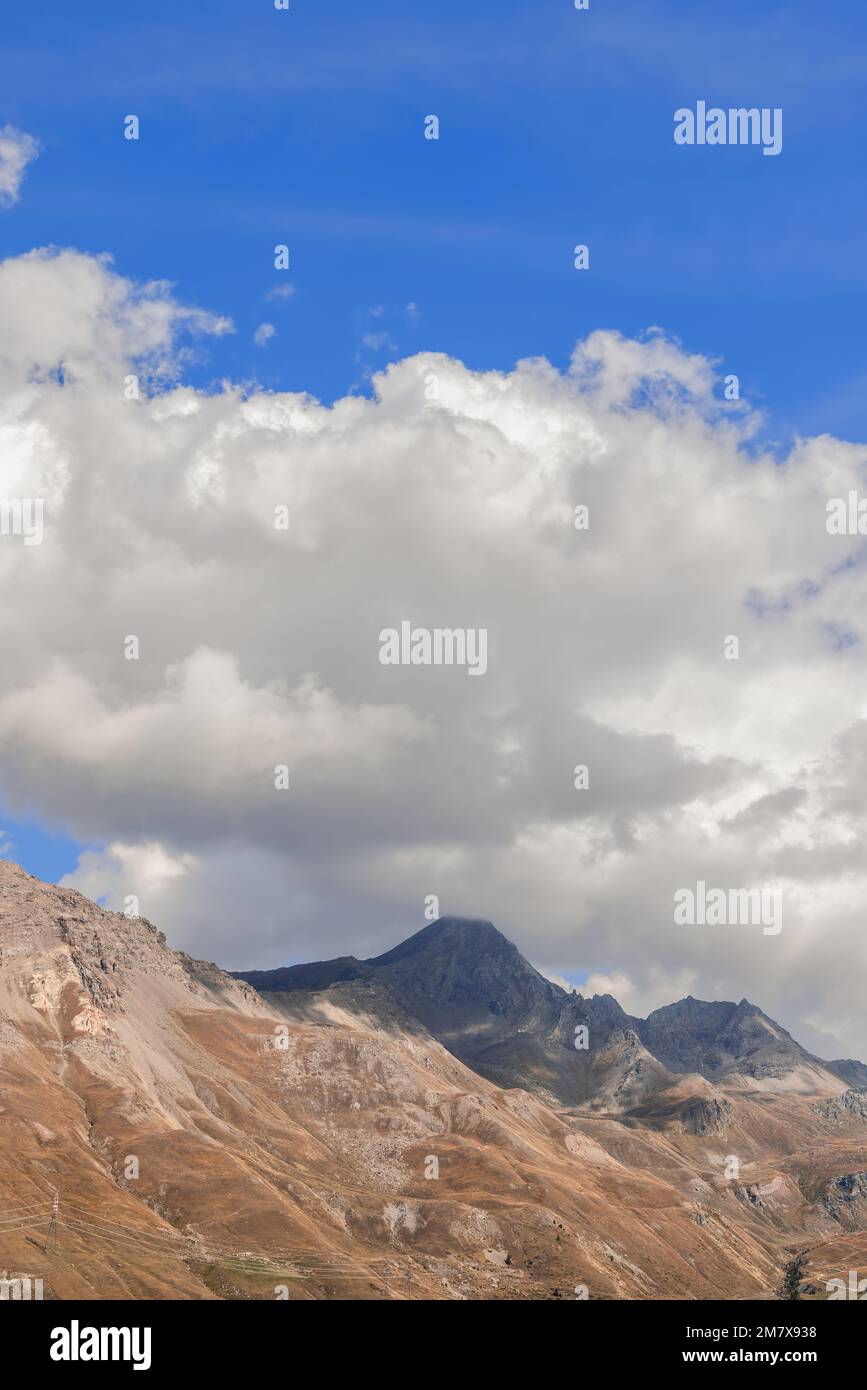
[(718, 1040), (851, 1105), (76, 962), (711, 1115), (845, 1199)]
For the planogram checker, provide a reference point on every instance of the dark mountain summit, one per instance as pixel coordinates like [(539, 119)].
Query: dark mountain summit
[(450, 945), (470, 987), (714, 1038), (462, 974)]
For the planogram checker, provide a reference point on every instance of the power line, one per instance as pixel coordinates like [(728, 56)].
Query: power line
[(25, 1228), (339, 1269), (169, 1237), (22, 1211), (303, 1263), (175, 1239)]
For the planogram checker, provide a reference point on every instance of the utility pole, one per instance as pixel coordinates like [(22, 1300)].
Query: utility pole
[(51, 1243)]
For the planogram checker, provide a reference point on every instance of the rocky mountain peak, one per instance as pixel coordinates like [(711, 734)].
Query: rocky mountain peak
[(469, 940), (75, 962), (468, 985)]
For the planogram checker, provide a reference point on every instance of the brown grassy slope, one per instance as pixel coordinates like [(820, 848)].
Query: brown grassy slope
[(285, 1146)]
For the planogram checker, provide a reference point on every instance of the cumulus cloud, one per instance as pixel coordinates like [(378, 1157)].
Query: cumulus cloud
[(256, 544), (17, 150), (264, 333), (76, 322)]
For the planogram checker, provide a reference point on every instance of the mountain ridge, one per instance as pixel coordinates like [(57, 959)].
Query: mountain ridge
[(209, 1141), (470, 986)]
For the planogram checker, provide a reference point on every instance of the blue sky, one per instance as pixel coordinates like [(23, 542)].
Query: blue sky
[(306, 127)]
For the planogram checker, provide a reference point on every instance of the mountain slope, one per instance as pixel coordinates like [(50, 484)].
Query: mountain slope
[(205, 1141), (185, 1123), (474, 991)]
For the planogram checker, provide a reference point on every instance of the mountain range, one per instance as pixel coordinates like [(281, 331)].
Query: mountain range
[(471, 988), (418, 1125)]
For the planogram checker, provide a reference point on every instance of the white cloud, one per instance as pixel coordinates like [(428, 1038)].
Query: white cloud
[(264, 333), (379, 342), (17, 150), (656, 989), (259, 646), (556, 979), (105, 875), (71, 312), (282, 291)]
